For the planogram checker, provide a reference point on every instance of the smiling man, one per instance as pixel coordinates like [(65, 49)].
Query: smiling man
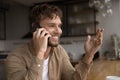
[(44, 58)]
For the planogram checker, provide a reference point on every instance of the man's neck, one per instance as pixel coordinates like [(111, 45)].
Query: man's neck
[(47, 53)]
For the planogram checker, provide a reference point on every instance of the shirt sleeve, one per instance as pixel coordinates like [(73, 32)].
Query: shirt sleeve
[(17, 69), (79, 72)]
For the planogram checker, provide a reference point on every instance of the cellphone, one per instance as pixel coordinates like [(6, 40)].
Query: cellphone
[(35, 26)]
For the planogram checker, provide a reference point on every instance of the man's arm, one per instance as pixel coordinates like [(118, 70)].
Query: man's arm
[(19, 69), (79, 72), (82, 68)]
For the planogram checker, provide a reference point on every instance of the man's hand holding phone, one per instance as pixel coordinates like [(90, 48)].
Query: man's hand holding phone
[(40, 41)]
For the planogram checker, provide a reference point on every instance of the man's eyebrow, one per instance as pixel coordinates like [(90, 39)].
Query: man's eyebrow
[(54, 23)]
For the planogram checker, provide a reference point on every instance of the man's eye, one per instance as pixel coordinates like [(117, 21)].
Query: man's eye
[(52, 25), (55, 26)]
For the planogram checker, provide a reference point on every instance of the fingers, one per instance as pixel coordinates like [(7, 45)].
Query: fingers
[(39, 33), (99, 36), (99, 32), (87, 44), (88, 38), (97, 41)]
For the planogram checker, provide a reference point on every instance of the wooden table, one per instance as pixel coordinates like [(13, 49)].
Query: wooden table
[(103, 68)]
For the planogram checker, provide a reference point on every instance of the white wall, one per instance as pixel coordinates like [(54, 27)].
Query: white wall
[(111, 25), (76, 48)]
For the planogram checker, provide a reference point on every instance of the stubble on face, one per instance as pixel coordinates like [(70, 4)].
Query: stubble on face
[(53, 26)]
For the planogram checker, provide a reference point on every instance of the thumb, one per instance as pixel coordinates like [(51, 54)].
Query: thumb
[(87, 44), (88, 38)]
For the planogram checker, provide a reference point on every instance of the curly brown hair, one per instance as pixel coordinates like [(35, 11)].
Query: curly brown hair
[(39, 12)]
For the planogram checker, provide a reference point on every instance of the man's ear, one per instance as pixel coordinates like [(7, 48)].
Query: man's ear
[(35, 25)]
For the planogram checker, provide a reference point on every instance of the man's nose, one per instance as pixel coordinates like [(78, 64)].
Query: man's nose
[(57, 29)]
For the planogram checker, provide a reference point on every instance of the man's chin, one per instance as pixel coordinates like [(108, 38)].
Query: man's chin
[(53, 45)]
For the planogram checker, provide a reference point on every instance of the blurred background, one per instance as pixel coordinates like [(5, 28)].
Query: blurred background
[(80, 18)]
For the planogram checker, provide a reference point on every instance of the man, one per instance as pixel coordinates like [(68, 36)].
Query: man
[(44, 58)]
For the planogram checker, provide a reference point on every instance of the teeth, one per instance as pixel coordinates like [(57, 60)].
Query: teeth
[(55, 37)]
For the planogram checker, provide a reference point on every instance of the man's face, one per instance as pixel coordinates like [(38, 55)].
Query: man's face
[(53, 26)]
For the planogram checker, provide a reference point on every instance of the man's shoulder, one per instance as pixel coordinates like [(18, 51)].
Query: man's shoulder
[(20, 50), (60, 50)]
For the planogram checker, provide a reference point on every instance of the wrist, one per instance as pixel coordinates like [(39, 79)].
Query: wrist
[(40, 55), (88, 58)]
